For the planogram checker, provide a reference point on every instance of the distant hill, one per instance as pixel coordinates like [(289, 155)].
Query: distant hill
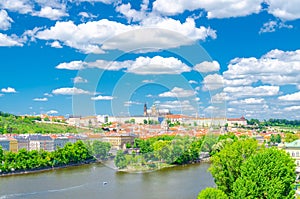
[(10, 123)]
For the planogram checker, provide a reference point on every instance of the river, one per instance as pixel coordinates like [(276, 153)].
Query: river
[(181, 182)]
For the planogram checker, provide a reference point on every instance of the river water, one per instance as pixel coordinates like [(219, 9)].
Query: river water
[(85, 182)]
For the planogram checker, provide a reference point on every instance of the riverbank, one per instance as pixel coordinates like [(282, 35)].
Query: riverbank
[(158, 166), (46, 169)]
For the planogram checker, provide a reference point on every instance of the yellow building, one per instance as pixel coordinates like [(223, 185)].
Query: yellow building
[(118, 141), (13, 145)]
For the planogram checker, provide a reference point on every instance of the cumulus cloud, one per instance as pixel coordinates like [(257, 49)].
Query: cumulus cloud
[(290, 97), (70, 91), (51, 13), (177, 92), (292, 108), (5, 20), (249, 101), (130, 103), (271, 26), (141, 65), (44, 99), (79, 80), (192, 82), (100, 97), (52, 112), (21, 6), (8, 90), (74, 65), (55, 44), (214, 8), (284, 10), (177, 105), (206, 67), (267, 69), (244, 91), (157, 32), (6, 40), (213, 82), (157, 65)]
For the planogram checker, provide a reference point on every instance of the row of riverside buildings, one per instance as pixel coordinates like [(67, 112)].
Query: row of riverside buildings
[(34, 142), (52, 142)]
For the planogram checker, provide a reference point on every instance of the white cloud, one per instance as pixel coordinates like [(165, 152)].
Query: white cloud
[(178, 92), (290, 97), (70, 91), (214, 8), (192, 82), (157, 32), (206, 67), (51, 112), (284, 10), (44, 99), (213, 82), (100, 97), (268, 69), (131, 14), (1, 94), (141, 65), (148, 81), (79, 80), (6, 40), (249, 101), (177, 105), (130, 103), (56, 44), (5, 20), (244, 91), (157, 65), (8, 90), (74, 65), (48, 95), (220, 98), (51, 13), (271, 26), (21, 6), (292, 108), (93, 1)]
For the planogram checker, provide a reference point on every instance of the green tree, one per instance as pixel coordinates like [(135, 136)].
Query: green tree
[(290, 137), (101, 149), (1, 154), (272, 139), (212, 193), (226, 164), (268, 174), (120, 160), (278, 138)]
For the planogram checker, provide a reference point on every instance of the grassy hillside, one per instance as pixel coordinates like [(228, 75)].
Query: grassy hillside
[(17, 125)]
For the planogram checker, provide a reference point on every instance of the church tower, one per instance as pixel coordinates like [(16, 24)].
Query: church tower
[(145, 109)]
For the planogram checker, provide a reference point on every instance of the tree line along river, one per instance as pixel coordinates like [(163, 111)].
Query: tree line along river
[(86, 181)]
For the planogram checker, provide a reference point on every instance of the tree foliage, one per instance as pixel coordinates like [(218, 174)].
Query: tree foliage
[(17, 125), (28, 160), (120, 160), (226, 164), (268, 174), (290, 137), (212, 193)]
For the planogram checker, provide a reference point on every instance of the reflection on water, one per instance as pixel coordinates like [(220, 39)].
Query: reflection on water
[(87, 182)]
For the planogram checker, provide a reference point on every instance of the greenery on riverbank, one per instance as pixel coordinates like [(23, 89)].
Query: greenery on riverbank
[(17, 125), (160, 152), (243, 169), (30, 160)]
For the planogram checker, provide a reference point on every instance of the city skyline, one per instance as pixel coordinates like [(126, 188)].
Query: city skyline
[(87, 57)]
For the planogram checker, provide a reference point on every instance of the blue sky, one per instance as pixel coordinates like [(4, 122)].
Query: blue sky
[(205, 58)]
